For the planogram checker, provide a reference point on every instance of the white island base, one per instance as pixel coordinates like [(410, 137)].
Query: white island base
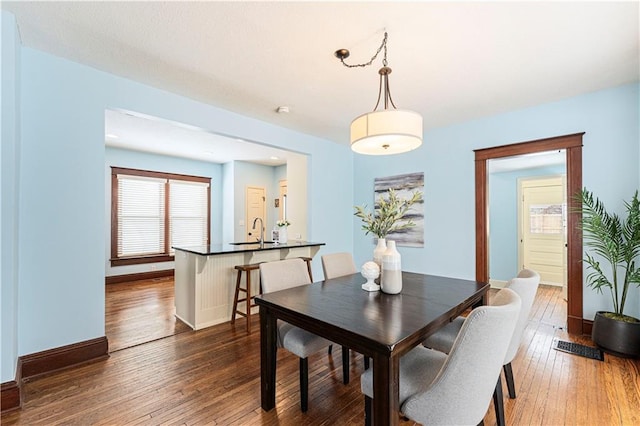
[(205, 278)]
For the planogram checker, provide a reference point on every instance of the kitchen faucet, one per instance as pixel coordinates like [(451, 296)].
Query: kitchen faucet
[(261, 240)]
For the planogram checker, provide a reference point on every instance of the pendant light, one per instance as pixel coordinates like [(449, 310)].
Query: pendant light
[(388, 131)]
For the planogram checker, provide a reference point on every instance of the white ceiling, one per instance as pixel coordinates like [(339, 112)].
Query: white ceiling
[(452, 61), (128, 130)]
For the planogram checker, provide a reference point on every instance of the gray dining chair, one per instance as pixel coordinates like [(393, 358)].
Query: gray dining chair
[(338, 265), (526, 285), (455, 389), (281, 275)]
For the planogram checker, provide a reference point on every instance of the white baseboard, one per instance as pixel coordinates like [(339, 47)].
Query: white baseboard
[(497, 283), (502, 284)]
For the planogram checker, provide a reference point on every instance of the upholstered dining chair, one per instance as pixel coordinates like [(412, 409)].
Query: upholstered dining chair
[(455, 389), (281, 275), (338, 265), (526, 285)]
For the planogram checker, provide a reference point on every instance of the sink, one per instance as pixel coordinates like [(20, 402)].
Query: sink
[(251, 242)]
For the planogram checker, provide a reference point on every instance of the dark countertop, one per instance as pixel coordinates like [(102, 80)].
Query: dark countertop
[(214, 249)]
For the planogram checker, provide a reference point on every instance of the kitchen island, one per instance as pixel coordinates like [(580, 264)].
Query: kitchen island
[(205, 276)]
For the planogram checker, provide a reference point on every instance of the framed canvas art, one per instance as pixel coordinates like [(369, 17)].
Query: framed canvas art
[(404, 186)]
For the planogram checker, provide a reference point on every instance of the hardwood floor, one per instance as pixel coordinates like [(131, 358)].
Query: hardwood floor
[(140, 311), (212, 377)]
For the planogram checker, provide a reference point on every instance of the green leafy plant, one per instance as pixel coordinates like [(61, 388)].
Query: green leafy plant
[(615, 240), (282, 223), (386, 217)]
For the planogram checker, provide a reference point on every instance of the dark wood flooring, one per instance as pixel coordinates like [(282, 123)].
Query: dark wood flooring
[(212, 377)]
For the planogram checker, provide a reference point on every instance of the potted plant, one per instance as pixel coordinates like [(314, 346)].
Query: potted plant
[(616, 243), (386, 218)]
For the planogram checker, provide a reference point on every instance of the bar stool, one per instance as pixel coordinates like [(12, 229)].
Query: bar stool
[(248, 299)]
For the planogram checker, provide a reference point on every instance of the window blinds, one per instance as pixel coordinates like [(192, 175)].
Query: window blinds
[(143, 204), (188, 213), (141, 216)]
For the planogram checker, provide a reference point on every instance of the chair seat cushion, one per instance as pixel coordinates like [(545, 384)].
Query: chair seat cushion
[(442, 340), (418, 368), (298, 341)]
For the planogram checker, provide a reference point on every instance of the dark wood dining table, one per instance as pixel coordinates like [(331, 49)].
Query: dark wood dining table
[(380, 326)]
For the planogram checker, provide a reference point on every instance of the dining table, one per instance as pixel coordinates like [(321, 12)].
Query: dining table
[(377, 325)]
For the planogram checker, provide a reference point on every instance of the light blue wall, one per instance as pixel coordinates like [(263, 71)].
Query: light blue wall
[(250, 174), (9, 213), (139, 160), (280, 173), (503, 219), (610, 119), (331, 196), (62, 171)]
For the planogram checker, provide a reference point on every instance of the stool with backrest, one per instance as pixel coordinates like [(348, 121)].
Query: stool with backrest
[(526, 286), (455, 389), (281, 275)]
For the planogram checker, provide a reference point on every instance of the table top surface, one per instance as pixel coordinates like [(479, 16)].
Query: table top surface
[(340, 307), (213, 249)]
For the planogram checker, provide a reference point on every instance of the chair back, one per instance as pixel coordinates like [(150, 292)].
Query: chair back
[(462, 390), (283, 274), (337, 265), (526, 285)]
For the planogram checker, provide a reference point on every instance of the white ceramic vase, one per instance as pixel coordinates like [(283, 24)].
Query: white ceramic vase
[(381, 247), (391, 279), (282, 234)]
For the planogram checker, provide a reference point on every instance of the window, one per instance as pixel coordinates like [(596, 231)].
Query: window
[(153, 211), (188, 213), (546, 218)]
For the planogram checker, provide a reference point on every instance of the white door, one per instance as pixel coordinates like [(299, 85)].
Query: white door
[(543, 228), (256, 208)]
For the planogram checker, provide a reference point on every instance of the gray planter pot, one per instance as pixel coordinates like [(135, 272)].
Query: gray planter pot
[(618, 338)]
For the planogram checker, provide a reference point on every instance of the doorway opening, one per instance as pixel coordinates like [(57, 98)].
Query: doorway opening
[(572, 144)]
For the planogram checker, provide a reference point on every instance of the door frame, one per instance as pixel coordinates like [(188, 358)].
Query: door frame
[(572, 144)]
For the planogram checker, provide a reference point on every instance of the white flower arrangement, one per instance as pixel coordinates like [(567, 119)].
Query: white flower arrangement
[(283, 223)]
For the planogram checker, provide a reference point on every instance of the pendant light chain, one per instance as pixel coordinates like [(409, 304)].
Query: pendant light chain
[(373, 58), (384, 72)]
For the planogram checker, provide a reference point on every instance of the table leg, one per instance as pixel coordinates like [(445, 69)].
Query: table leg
[(267, 359), (386, 372), (483, 301)]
